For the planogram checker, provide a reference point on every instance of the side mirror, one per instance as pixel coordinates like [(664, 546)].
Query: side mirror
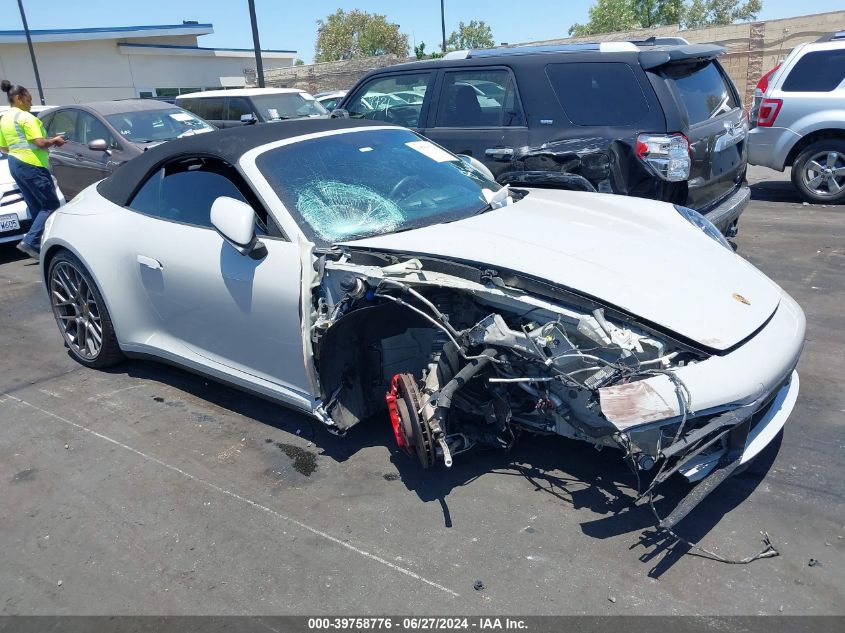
[(235, 221), (248, 119), (340, 113), (99, 145)]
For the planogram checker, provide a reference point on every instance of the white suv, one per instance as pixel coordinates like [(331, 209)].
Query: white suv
[(798, 119)]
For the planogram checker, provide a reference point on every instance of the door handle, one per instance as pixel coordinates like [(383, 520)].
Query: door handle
[(499, 153), (149, 262), (79, 156)]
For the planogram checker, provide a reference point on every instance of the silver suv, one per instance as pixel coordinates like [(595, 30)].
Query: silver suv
[(798, 119)]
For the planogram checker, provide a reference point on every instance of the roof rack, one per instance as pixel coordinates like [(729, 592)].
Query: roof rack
[(832, 37), (661, 41), (620, 46)]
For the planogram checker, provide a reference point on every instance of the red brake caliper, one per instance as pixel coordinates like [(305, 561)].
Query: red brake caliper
[(391, 396)]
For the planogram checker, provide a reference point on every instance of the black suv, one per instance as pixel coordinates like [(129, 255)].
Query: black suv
[(650, 119)]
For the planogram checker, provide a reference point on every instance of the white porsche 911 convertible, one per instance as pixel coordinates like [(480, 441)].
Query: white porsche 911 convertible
[(351, 270)]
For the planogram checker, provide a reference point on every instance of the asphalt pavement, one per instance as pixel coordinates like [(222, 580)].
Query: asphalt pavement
[(148, 490)]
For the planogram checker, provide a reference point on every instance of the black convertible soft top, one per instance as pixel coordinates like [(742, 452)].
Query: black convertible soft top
[(228, 145)]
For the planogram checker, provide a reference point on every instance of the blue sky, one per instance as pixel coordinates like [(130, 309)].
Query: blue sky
[(292, 25)]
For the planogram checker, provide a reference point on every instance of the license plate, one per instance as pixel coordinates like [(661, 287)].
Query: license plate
[(9, 223)]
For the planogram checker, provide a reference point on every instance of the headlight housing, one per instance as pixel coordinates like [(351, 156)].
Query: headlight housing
[(707, 227)]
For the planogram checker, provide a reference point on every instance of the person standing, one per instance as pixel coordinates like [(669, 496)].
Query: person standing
[(22, 137)]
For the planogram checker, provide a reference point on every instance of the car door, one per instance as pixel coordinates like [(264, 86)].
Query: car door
[(718, 130), (374, 101), (95, 165), (479, 114), (210, 303), (63, 160)]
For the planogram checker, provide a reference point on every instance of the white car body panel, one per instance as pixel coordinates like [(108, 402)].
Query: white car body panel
[(169, 299), (622, 250)]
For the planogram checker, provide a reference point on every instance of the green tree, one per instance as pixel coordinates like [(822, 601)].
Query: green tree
[(607, 16), (419, 51), (476, 34), (700, 13), (298, 62), (658, 12), (354, 34)]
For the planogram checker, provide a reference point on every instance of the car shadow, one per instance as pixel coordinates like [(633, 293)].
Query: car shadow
[(775, 191), (573, 474), (570, 473), (9, 254)]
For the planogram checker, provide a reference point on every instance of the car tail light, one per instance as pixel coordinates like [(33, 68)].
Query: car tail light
[(763, 84), (768, 112), (668, 155)]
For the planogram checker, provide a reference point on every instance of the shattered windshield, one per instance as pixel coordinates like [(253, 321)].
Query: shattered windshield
[(146, 126), (363, 183), (288, 105)]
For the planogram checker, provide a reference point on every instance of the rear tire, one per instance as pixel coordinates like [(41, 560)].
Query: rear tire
[(81, 313), (814, 172)]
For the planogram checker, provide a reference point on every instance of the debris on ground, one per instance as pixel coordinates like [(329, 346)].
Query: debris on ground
[(478, 585), (813, 562)]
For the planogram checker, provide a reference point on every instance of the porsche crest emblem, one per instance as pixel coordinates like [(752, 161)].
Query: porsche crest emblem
[(741, 299)]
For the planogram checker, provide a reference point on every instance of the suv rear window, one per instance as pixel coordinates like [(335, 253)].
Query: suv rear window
[(598, 93), (704, 90), (819, 71)]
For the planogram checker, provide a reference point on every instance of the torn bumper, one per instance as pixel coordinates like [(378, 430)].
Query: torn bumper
[(765, 426), (756, 381)]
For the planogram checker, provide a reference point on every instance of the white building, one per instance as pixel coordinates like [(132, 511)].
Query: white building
[(79, 65)]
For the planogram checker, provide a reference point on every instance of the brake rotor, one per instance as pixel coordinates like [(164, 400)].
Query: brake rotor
[(411, 431)]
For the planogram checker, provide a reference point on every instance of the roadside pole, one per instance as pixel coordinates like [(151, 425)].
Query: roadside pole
[(31, 53), (259, 65)]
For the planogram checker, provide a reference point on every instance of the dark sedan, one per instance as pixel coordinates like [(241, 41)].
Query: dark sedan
[(103, 135)]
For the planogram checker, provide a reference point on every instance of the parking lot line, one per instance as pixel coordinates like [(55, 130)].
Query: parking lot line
[(4, 397)]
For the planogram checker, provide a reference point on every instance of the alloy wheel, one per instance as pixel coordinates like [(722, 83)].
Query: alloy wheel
[(824, 174), (76, 310)]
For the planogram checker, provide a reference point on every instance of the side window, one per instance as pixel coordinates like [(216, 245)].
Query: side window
[(378, 100), (238, 106), (64, 122), (819, 71), (330, 104), (184, 192), (479, 98), (197, 106), (703, 88), (211, 108), (91, 128), (45, 121), (598, 93)]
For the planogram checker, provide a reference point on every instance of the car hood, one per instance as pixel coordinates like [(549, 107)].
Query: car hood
[(638, 255)]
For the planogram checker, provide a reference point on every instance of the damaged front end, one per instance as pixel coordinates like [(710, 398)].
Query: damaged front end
[(469, 358)]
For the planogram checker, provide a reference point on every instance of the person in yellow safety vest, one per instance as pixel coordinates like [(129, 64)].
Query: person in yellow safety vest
[(22, 138)]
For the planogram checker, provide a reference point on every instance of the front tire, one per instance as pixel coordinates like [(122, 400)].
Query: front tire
[(81, 313), (818, 172)]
